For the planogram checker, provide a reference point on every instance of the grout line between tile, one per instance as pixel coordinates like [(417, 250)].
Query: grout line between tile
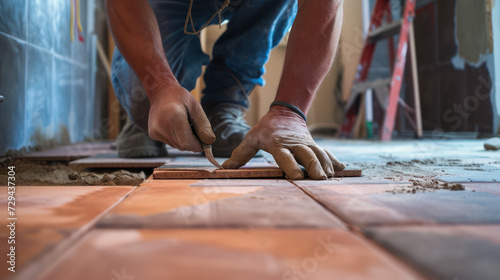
[(396, 259), (338, 215), (37, 268), (360, 234)]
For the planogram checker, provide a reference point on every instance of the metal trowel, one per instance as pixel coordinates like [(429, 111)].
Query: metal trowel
[(210, 156), (207, 149)]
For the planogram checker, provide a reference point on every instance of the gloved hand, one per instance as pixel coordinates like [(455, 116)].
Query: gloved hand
[(284, 134), (172, 111)]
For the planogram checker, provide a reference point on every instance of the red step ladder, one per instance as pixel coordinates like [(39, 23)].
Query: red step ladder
[(377, 32)]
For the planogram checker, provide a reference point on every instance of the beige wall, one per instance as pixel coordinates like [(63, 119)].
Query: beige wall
[(351, 42), (322, 112)]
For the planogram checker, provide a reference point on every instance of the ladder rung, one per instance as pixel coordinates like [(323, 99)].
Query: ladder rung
[(385, 31)]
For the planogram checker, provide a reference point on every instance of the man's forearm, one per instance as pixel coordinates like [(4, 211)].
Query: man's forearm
[(310, 52), (138, 38)]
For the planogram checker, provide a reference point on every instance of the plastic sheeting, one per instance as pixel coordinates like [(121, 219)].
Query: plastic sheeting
[(44, 77)]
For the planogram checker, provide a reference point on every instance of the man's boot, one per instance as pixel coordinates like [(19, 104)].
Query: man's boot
[(229, 126), (133, 142)]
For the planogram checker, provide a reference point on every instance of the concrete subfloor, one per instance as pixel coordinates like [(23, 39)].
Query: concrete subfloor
[(427, 209)]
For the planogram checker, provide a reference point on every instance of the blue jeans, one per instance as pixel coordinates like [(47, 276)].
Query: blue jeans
[(237, 65)]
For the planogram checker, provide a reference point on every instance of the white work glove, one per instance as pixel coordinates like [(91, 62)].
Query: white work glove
[(173, 111), (284, 134)]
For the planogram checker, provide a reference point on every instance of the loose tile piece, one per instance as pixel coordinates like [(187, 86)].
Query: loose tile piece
[(214, 172), (47, 215), (201, 168), (227, 254), (372, 204), (174, 203), (73, 152), (445, 252), (113, 161)]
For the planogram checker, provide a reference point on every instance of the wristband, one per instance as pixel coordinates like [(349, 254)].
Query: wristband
[(291, 107)]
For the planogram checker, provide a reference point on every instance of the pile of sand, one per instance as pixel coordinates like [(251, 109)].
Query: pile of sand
[(40, 173)]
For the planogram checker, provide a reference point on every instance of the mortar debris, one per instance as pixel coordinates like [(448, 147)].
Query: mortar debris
[(435, 162), (43, 173), (426, 186), (73, 176)]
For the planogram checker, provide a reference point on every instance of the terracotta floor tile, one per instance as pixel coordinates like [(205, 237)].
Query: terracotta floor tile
[(187, 203), (201, 168), (371, 204), (113, 161), (479, 177), (73, 152), (47, 215), (227, 254), (173, 173), (470, 171), (486, 187), (363, 180), (239, 183), (446, 252)]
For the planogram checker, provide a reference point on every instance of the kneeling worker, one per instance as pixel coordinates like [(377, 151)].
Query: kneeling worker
[(159, 57)]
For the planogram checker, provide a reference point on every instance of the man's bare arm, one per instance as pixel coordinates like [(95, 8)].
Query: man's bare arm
[(282, 132), (310, 51), (173, 109), (137, 36)]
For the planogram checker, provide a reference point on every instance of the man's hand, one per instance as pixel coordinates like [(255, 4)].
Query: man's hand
[(173, 111), (284, 134)]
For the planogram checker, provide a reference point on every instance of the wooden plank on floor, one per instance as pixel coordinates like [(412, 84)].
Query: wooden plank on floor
[(48, 215), (227, 254), (113, 161), (445, 252), (72, 152), (395, 204), (261, 203)]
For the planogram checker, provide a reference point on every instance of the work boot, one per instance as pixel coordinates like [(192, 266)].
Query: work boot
[(229, 126), (133, 142)]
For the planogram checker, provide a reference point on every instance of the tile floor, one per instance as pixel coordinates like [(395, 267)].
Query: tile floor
[(349, 228)]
